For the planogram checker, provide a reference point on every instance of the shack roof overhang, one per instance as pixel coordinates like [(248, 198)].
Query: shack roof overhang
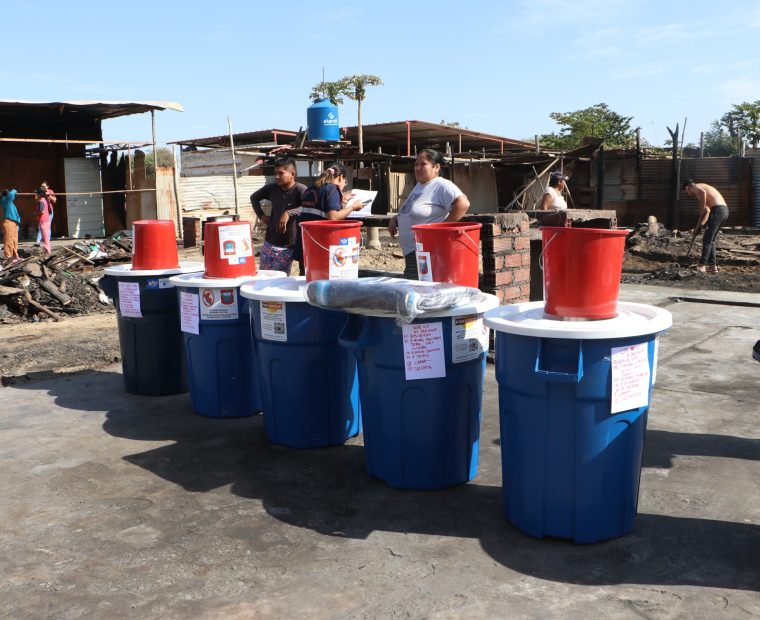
[(389, 135), (77, 109)]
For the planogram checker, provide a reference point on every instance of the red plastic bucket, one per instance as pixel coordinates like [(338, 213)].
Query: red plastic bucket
[(582, 268), (229, 250), (154, 245), (331, 249), (448, 252)]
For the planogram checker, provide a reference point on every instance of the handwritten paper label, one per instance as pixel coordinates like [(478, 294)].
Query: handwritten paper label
[(630, 377), (273, 323), (129, 299), (423, 351), (235, 243), (654, 361), (188, 312), (424, 267), (344, 261), (218, 304), (469, 337)]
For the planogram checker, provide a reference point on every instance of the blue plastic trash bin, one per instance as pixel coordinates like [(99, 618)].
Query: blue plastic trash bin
[(573, 402), (421, 393), (149, 336), (222, 371), (310, 389)]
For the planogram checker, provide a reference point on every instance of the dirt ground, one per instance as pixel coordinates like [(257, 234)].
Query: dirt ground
[(36, 350)]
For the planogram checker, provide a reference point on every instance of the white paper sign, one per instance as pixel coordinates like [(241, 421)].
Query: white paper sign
[(366, 197), (273, 323), (630, 377), (344, 261), (423, 351), (424, 268), (129, 299), (469, 337), (188, 312), (218, 304), (654, 361), (235, 242)]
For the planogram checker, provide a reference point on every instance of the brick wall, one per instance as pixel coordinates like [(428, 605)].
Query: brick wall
[(505, 248)]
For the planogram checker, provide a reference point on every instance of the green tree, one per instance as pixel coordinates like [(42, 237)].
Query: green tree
[(357, 85), (165, 159), (334, 91), (596, 121), (743, 118), (717, 142)]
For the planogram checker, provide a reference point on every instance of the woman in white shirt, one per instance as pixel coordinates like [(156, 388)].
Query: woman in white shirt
[(553, 198), (433, 199)]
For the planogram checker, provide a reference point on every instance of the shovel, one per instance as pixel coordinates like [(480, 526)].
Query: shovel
[(691, 245)]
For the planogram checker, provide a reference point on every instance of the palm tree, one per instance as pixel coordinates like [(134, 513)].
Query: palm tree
[(356, 89)]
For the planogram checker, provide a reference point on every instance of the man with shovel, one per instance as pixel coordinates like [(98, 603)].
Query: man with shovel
[(713, 212)]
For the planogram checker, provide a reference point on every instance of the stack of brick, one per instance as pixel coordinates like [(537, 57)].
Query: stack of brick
[(191, 229), (505, 248)]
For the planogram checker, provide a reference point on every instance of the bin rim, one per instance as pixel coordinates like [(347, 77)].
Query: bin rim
[(126, 270), (612, 232), (529, 319), (292, 289), (198, 280)]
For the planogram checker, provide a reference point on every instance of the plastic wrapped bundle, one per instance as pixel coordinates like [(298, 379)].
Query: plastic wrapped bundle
[(392, 297)]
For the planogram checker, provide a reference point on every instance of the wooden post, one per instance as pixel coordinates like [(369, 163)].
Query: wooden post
[(155, 157), (701, 144), (234, 166), (408, 138), (674, 181), (538, 144)]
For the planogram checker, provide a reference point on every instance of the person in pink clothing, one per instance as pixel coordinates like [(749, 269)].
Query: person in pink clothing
[(43, 217)]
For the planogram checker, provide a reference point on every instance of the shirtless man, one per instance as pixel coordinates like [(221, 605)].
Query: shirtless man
[(713, 212)]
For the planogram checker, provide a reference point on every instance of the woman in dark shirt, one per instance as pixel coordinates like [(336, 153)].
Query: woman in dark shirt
[(324, 201)]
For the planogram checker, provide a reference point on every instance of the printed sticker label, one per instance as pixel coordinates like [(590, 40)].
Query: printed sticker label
[(273, 323), (630, 377), (423, 351), (218, 304), (424, 268), (344, 262), (129, 299), (157, 283), (469, 337), (235, 241), (188, 313)]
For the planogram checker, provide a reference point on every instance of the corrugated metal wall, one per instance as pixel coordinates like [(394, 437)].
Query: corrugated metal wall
[(85, 212), (213, 195), (755, 212), (730, 175)]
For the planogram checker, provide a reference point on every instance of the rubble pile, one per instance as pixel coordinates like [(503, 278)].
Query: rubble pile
[(63, 283)]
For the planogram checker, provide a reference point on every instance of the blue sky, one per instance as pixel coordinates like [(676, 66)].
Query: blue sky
[(497, 67)]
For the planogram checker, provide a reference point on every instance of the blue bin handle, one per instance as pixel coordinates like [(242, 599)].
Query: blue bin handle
[(552, 376), (356, 324)]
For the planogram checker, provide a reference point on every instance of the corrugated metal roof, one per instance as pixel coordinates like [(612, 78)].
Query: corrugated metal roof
[(262, 136), (100, 109), (391, 137)]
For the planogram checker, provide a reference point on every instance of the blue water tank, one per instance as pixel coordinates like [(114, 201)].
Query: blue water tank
[(322, 121)]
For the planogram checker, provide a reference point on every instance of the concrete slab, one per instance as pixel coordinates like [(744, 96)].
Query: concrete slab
[(122, 506)]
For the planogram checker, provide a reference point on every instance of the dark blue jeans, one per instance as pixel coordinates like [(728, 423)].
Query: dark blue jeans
[(718, 215)]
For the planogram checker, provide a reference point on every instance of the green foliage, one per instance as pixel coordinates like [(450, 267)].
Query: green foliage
[(334, 91), (744, 118), (718, 142), (165, 159), (357, 85), (597, 121)]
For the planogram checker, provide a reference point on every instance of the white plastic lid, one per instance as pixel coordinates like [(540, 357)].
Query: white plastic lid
[(126, 270), (529, 319), (277, 289), (197, 279)]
